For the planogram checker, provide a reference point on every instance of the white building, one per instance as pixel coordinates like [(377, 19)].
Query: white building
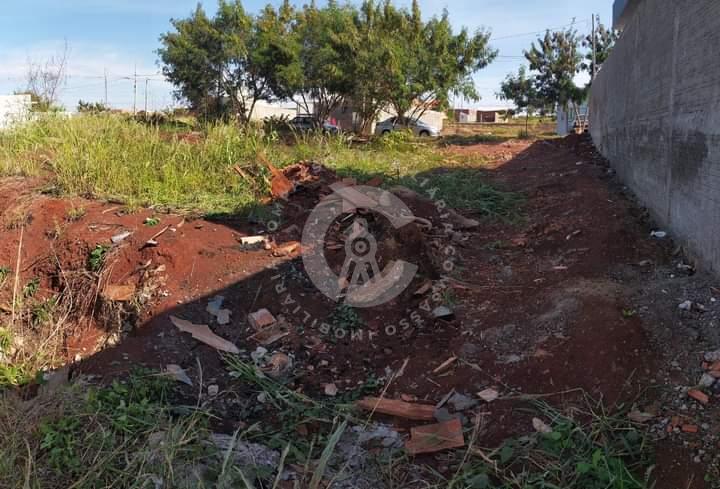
[(13, 109)]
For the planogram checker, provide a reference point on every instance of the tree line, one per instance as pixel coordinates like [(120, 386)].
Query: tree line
[(373, 56), (554, 61)]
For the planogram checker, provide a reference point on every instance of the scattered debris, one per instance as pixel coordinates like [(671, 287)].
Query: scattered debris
[(699, 396), (119, 293), (119, 238), (215, 304), (278, 365), (443, 312), (331, 390), (213, 390), (401, 409), (686, 306), (712, 356), (261, 319), (445, 365), (258, 355), (461, 402), (286, 249), (435, 437), (178, 373), (488, 395), (640, 417), (214, 307), (280, 186), (253, 242), (152, 241), (270, 335), (706, 380), (202, 333), (540, 426), (658, 234), (424, 288)]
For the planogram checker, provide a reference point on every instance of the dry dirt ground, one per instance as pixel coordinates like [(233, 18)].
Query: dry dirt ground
[(573, 298)]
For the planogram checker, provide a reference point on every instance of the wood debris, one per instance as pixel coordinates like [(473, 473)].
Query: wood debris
[(443, 366), (401, 409), (204, 334), (120, 293), (435, 437)]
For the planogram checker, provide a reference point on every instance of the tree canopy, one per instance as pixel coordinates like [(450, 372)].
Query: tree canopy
[(372, 56)]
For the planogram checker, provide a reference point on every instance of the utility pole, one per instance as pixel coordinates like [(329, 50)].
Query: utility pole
[(146, 94), (135, 91), (594, 50), (106, 91)]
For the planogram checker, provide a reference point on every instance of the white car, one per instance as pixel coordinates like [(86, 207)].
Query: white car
[(418, 127)]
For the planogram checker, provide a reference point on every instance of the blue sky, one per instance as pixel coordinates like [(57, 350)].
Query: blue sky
[(120, 35)]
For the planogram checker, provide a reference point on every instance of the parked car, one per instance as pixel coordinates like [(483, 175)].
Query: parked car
[(306, 123), (418, 127)]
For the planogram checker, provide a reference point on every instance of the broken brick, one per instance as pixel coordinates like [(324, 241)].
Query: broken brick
[(689, 428), (435, 437), (699, 396), (261, 319)]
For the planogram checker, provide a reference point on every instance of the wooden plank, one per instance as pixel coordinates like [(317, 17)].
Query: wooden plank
[(401, 409)]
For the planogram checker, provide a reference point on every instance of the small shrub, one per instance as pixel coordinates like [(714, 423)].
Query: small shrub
[(76, 213), (31, 288), (96, 259)]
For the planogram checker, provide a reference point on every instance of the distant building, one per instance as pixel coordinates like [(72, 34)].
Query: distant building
[(482, 116), (13, 109)]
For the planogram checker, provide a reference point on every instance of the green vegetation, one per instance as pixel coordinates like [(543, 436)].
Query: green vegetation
[(123, 435), (604, 451), (346, 317), (109, 156), (151, 221), (76, 213), (375, 55), (96, 258)]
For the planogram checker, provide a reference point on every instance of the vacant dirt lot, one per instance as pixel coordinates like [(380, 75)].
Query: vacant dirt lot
[(573, 300)]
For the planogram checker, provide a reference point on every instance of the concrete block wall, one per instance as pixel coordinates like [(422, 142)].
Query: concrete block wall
[(655, 115)]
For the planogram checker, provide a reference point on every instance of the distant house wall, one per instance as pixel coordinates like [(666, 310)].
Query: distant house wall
[(655, 114), (13, 109), (265, 109)]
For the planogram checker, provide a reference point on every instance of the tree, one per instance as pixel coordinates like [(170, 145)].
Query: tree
[(520, 89), (555, 61), (318, 73), (604, 43), (214, 62), (44, 80), (428, 62), (366, 44)]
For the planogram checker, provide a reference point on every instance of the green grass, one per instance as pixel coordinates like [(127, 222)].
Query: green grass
[(102, 437), (592, 449), (111, 157), (96, 258)]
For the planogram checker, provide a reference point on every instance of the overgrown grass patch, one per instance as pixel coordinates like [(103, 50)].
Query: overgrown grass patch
[(590, 449), (122, 435), (109, 156)]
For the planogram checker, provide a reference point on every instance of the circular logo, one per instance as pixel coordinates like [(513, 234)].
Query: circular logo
[(360, 282)]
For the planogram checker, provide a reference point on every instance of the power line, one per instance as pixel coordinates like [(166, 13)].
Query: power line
[(525, 34)]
